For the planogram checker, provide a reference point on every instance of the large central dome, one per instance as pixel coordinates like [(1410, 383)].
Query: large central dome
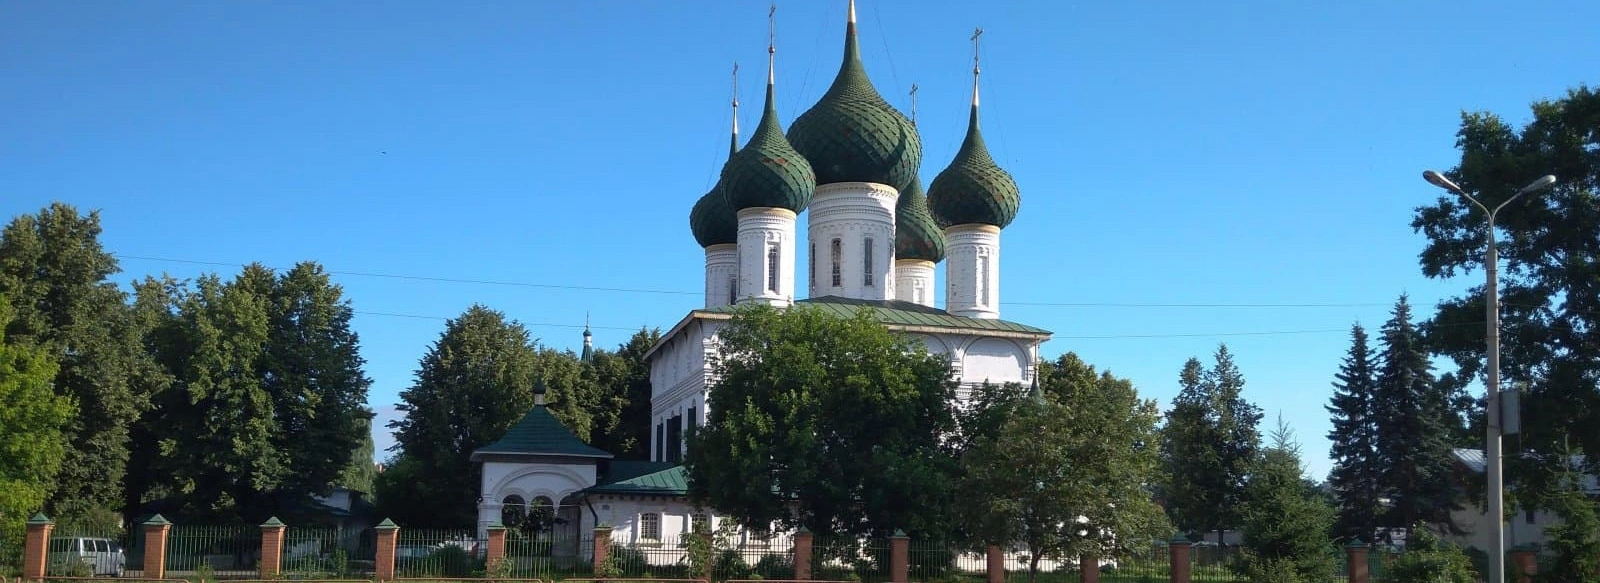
[(852, 134)]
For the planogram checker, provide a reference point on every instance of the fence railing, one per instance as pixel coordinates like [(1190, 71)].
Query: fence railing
[(448, 553), (327, 553)]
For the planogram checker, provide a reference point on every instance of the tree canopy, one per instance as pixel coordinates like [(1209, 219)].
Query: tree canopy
[(840, 416), (1082, 487), (1550, 281), (32, 418), (1209, 444)]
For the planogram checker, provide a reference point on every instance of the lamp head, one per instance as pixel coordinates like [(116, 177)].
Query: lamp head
[(1440, 181)]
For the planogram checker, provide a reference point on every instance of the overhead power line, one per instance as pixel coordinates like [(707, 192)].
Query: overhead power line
[(696, 293)]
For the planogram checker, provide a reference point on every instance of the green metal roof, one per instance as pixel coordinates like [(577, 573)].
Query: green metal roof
[(768, 172), (657, 478), (974, 190), (896, 313), (916, 235), (539, 433), (711, 220), (852, 134)]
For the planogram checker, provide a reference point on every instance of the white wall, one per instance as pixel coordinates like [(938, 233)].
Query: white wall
[(679, 374), (530, 478), (852, 213)]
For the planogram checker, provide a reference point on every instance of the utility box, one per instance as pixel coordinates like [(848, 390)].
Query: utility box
[(1510, 412)]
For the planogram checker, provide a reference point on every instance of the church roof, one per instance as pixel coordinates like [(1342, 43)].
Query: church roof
[(852, 134), (539, 433), (631, 477), (916, 235)]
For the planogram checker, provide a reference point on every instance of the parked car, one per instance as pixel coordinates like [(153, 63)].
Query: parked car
[(103, 556)]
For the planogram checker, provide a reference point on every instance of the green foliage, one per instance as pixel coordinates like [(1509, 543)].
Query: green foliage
[(267, 384), (1428, 559), (1574, 541), (1209, 444), (32, 417), (1286, 522), (1357, 474), (622, 420), (1551, 340), (473, 384), (840, 416), (56, 276), (360, 473), (1413, 424), (1079, 488)]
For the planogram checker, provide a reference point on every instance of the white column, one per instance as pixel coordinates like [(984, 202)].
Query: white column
[(860, 216), (913, 281), (972, 271), (722, 273), (765, 235)]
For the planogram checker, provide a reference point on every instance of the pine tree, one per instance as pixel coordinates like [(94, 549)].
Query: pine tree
[(1356, 477), (1285, 521), (1413, 426)]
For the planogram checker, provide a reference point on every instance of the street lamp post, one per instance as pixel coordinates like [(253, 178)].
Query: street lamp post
[(1492, 462)]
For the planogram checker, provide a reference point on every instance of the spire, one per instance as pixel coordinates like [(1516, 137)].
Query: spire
[(772, 45), (733, 144), (768, 172), (913, 104), (588, 340), (975, 70)]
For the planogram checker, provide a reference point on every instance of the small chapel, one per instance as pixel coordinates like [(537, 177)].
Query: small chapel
[(874, 239)]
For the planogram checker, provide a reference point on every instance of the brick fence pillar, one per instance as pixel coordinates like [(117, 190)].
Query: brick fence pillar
[(271, 548), (1178, 552), (1526, 560), (1355, 561), (602, 549), (899, 557), (802, 554), (1089, 567), (997, 564), (388, 532), (36, 547), (497, 546), (155, 547)]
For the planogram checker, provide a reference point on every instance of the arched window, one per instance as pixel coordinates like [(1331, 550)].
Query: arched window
[(513, 510), (812, 259), (650, 526), (866, 270), (983, 281), (733, 289), (838, 255), (772, 268)]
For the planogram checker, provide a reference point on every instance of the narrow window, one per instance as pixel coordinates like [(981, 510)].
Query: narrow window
[(733, 290), (838, 253), (772, 268), (661, 441), (983, 281), (812, 258), (650, 526), (866, 270)]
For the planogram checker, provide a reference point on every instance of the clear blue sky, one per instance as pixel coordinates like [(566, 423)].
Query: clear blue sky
[(1252, 152)]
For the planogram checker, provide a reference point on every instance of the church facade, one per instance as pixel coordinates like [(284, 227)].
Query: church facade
[(874, 239)]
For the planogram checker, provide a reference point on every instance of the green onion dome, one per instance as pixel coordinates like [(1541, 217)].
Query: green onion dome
[(974, 190), (711, 220), (768, 172), (852, 134), (916, 236)]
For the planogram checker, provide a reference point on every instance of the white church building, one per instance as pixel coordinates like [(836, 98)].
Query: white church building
[(873, 240)]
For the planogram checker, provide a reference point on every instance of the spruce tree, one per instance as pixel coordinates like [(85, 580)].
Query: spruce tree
[(1356, 477), (1413, 427), (1209, 445), (1285, 520)]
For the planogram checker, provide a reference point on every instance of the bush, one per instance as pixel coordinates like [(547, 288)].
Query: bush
[(1430, 560), (775, 566), (452, 561)]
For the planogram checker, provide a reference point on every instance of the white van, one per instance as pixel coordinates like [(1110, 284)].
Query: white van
[(103, 556)]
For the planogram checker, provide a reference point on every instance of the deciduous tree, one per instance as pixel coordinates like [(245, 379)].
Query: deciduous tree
[(839, 416), (1549, 244), (1079, 487), (55, 274), (32, 418)]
